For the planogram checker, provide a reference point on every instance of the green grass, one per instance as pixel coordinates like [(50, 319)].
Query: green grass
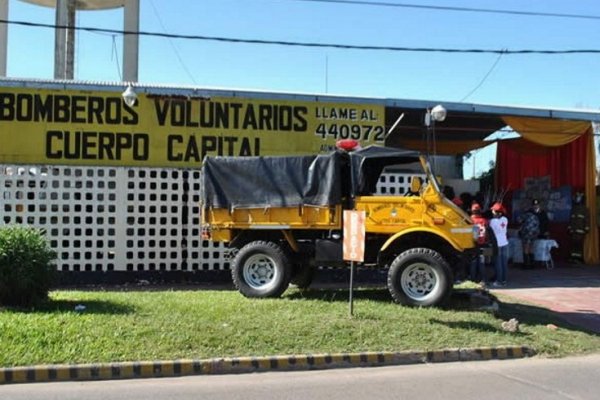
[(150, 325)]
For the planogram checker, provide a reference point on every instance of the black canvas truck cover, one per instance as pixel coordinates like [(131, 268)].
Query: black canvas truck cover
[(289, 181), (261, 182)]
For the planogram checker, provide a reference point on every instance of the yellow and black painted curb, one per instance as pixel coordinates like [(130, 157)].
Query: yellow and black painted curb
[(236, 365)]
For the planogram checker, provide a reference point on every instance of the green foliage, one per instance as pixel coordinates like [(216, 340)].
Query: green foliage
[(26, 269)]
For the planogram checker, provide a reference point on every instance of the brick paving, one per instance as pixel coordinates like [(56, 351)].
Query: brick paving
[(571, 290)]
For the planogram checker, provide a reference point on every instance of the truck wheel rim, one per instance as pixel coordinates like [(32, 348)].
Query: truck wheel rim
[(419, 280), (260, 271)]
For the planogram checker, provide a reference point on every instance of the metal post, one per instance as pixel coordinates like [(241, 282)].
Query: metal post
[(3, 36), (60, 39), (70, 40), (131, 23), (351, 299)]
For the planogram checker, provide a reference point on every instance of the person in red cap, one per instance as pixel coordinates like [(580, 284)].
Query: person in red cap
[(477, 272), (499, 227)]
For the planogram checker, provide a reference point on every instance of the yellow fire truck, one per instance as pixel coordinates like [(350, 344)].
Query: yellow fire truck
[(282, 217)]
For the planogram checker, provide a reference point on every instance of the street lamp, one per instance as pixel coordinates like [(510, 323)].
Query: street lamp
[(129, 96), (436, 114)]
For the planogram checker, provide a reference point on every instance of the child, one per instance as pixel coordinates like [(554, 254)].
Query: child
[(477, 273), (499, 226)]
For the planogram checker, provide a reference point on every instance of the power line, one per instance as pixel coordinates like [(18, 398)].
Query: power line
[(459, 9), (483, 79), (306, 44), (115, 54), (187, 71)]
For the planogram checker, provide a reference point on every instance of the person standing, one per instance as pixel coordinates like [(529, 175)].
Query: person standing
[(477, 271), (529, 232), (579, 226), (542, 218), (499, 227)]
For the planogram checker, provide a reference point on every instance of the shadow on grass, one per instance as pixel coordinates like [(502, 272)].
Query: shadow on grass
[(341, 295), (533, 315), (470, 325), (460, 300), (66, 306)]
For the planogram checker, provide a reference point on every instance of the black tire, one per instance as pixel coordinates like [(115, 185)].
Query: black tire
[(420, 277), (261, 269)]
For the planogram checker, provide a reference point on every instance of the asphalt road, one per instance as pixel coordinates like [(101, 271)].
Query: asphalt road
[(537, 378)]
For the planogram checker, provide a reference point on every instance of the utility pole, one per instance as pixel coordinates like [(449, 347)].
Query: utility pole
[(3, 36)]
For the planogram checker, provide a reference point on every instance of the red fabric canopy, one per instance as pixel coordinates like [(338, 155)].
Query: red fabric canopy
[(520, 158)]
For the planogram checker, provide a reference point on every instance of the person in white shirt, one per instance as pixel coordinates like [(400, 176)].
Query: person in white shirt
[(499, 226)]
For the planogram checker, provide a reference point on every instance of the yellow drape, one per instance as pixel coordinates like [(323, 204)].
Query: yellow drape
[(547, 132), (591, 252), (552, 132)]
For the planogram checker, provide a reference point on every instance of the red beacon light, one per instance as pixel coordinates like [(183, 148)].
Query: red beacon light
[(347, 144)]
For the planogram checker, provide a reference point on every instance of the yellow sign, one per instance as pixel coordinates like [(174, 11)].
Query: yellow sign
[(81, 127)]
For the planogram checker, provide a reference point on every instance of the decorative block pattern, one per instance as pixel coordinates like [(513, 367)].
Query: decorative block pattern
[(77, 207), (393, 183)]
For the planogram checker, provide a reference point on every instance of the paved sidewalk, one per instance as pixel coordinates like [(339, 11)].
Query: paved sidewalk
[(573, 291)]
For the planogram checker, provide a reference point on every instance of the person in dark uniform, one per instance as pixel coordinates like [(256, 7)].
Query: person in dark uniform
[(542, 218), (578, 227)]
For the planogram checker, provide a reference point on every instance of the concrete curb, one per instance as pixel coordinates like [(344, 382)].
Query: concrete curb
[(237, 365)]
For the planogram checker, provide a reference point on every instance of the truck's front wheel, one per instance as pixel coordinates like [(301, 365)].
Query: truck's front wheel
[(420, 277), (261, 269)]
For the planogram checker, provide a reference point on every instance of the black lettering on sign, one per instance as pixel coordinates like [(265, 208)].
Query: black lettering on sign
[(131, 117), (24, 108), (89, 149), (226, 115), (106, 144), (189, 121), (266, 117), (61, 109), (195, 148), (53, 139), (96, 109), (113, 111), (178, 113), (300, 123), (78, 109), (172, 141), (191, 151), (91, 145), (161, 111), (7, 107), (141, 146), (42, 108), (249, 118)]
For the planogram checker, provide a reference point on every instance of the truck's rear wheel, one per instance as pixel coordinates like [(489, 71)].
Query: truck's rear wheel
[(261, 269), (420, 277)]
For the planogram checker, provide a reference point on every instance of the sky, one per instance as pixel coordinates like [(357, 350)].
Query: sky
[(547, 81)]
